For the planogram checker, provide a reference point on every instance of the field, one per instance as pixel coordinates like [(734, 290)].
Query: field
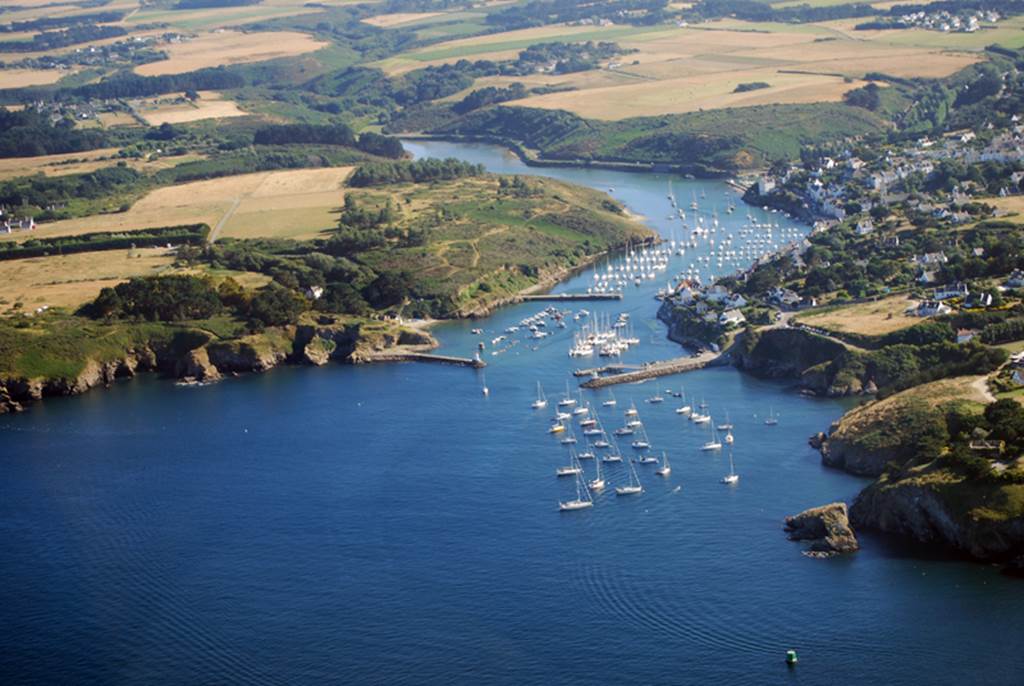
[(178, 110), (207, 19), (223, 48), (281, 204), (387, 21), (19, 78), (870, 319), (1012, 205), (72, 280), (677, 70), (83, 162)]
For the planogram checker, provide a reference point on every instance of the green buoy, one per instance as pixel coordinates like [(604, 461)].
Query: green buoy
[(791, 658)]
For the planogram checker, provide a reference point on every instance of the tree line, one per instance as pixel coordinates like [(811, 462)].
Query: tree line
[(419, 171)]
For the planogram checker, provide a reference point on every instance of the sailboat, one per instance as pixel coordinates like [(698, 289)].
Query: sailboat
[(610, 402), (541, 402), (484, 389), (570, 439), (732, 477), (642, 442), (574, 466), (568, 400), (580, 408), (633, 487), (773, 418), (714, 443), (582, 501), (631, 412), (597, 483), (665, 469), (683, 409), (726, 425), (646, 459), (614, 456)]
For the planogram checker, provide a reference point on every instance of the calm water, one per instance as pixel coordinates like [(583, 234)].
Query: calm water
[(388, 524)]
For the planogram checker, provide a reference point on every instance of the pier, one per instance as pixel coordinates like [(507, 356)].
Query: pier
[(607, 369), (408, 356), (563, 297), (655, 369)]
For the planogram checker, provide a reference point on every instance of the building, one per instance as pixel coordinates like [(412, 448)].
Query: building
[(965, 335), (731, 318), (955, 290), (865, 226), (1016, 279), (931, 308), (314, 292)]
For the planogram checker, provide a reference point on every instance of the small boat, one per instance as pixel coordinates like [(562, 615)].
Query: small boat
[(665, 469), (641, 442), (732, 477), (773, 419), (562, 416), (633, 487), (609, 403), (728, 438), (556, 428), (484, 389), (602, 444), (632, 412), (541, 402), (655, 399), (714, 443), (726, 425), (698, 418), (646, 459), (634, 423), (623, 431), (613, 457), (569, 440), (582, 501)]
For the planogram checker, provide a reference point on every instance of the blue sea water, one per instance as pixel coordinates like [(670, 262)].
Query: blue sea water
[(390, 524)]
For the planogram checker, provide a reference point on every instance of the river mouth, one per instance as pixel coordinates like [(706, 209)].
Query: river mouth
[(391, 524)]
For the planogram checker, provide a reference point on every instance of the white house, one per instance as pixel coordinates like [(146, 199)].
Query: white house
[(731, 318), (314, 292), (955, 290), (930, 308)]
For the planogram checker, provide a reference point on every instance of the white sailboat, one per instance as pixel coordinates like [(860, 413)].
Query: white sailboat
[(732, 477), (641, 442), (714, 443), (726, 425), (633, 487), (773, 419), (646, 459), (597, 483), (484, 389), (610, 402), (665, 469), (582, 501), (541, 402), (568, 400), (632, 411), (574, 466)]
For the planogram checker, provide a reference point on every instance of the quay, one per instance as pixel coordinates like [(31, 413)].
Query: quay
[(656, 369), (408, 356), (561, 297), (607, 369)]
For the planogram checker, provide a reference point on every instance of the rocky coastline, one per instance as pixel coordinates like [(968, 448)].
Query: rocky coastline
[(305, 344)]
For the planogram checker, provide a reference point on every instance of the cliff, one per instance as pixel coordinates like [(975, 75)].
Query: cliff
[(687, 328), (979, 518), (787, 353), (179, 352)]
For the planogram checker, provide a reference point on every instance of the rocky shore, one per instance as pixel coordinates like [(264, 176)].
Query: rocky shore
[(326, 341), (826, 527)]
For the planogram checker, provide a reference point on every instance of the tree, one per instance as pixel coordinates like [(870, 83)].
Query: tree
[(275, 305)]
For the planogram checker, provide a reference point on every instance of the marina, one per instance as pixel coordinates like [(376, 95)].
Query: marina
[(234, 530)]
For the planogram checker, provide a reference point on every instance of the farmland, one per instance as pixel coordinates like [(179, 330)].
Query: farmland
[(293, 204), (178, 110), (679, 70), (19, 78), (229, 47), (82, 162), (72, 280)]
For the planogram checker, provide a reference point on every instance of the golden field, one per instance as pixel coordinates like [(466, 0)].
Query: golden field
[(870, 319), (177, 110), (73, 280), (19, 78), (222, 48), (387, 21), (676, 70), (297, 203), (83, 162)]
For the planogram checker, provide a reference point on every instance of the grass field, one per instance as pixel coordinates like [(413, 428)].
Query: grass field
[(223, 48), (83, 162), (19, 78), (677, 70), (207, 19), (294, 204), (73, 280), (870, 319), (387, 21), (177, 110), (1012, 205)]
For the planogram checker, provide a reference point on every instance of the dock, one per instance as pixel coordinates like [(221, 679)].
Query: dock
[(607, 369), (407, 356), (656, 369), (564, 297)]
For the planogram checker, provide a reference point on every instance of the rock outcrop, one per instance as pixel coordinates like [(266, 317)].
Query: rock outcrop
[(785, 353), (827, 527)]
